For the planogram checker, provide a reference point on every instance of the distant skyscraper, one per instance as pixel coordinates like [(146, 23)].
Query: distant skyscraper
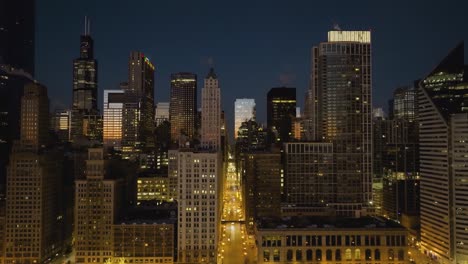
[(161, 113), (85, 77), (112, 121), (183, 105), (443, 142), (32, 230), (405, 101), (342, 107), (34, 116), (281, 109), (61, 124), (244, 110), (17, 34), (211, 113), (139, 106)]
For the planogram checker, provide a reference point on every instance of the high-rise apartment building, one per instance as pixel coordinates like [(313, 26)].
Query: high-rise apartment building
[(244, 110), (32, 230), (443, 150), (138, 116), (112, 121), (85, 77), (281, 110), (96, 209), (211, 113), (183, 105), (199, 187), (17, 34), (161, 113), (342, 106)]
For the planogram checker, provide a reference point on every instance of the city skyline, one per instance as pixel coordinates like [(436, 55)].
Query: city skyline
[(333, 169), (281, 48)]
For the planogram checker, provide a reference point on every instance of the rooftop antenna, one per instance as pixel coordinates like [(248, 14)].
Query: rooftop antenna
[(336, 27), (87, 26)]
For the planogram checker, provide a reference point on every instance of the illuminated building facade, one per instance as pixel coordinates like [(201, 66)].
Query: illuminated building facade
[(161, 113), (61, 124), (300, 240), (96, 209), (342, 107), (183, 105), (199, 191), (443, 148), (281, 109), (112, 123), (211, 113), (153, 188), (244, 110), (85, 77)]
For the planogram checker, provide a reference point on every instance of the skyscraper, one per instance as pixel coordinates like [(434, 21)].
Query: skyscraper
[(32, 230), (244, 110), (85, 77), (112, 121), (183, 105), (17, 34), (34, 116), (281, 109), (443, 146), (198, 199), (342, 107), (211, 113), (61, 124), (139, 104), (96, 207)]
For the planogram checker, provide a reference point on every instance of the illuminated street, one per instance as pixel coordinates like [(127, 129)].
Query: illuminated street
[(235, 246)]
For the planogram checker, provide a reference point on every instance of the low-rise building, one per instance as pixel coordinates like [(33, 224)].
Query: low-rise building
[(310, 240)]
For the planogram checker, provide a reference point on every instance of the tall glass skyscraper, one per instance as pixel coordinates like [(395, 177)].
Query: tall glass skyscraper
[(341, 93), (281, 109), (183, 105), (244, 110), (211, 113), (443, 144)]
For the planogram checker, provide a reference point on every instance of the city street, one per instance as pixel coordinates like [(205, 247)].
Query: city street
[(235, 246)]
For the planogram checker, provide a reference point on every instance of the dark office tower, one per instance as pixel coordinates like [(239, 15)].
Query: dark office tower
[(85, 77), (12, 84), (32, 231), (211, 113), (139, 107), (443, 144), (251, 137), (262, 186), (281, 109), (343, 106), (405, 103), (183, 105), (34, 116), (17, 34)]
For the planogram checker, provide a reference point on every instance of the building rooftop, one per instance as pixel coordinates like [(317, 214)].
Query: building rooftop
[(309, 222), (148, 212)]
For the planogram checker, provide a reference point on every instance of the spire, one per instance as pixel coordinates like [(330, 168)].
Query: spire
[(87, 26), (211, 74)]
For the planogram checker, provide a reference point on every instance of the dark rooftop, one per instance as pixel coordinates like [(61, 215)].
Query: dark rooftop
[(308, 222)]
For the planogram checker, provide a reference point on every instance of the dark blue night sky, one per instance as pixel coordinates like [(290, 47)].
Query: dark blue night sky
[(254, 45)]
